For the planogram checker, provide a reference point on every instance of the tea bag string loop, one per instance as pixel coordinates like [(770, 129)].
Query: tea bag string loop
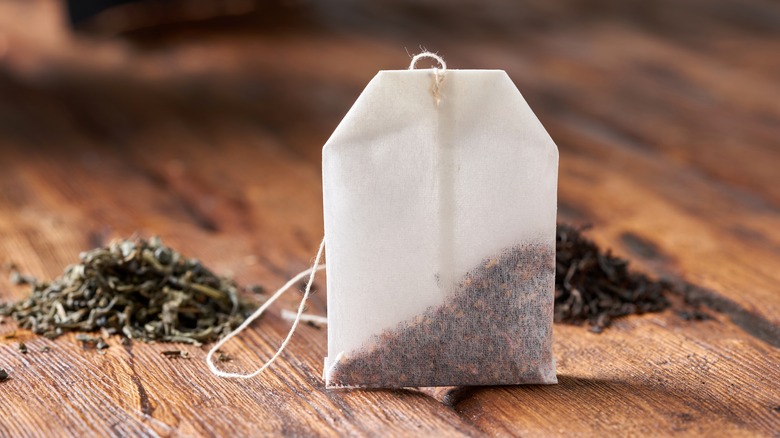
[(309, 272), (438, 75), (427, 54)]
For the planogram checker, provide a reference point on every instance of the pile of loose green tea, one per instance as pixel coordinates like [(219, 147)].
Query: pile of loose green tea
[(140, 289), (594, 286)]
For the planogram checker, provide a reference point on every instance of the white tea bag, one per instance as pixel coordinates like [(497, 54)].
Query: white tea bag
[(440, 208)]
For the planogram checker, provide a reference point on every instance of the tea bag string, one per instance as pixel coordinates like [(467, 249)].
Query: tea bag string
[(309, 272), (438, 76)]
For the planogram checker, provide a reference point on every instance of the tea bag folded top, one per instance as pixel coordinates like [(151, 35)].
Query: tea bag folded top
[(440, 208)]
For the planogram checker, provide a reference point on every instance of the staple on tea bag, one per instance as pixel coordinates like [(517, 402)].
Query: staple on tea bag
[(311, 272)]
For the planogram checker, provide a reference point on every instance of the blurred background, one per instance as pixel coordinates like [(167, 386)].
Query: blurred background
[(200, 117), (202, 121)]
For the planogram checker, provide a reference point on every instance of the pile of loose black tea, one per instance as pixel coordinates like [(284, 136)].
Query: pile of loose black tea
[(137, 288), (490, 330), (594, 286)]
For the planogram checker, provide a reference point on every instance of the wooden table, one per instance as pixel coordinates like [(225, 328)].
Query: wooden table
[(667, 117)]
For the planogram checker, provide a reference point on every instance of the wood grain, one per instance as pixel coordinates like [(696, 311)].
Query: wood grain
[(208, 134)]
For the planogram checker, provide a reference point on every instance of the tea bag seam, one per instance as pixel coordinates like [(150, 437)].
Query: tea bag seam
[(311, 272)]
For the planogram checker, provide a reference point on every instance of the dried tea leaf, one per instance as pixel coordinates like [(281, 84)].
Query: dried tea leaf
[(88, 339), (222, 357), (174, 354)]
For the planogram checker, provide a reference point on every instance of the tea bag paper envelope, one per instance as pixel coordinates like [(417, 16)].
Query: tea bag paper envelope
[(440, 234)]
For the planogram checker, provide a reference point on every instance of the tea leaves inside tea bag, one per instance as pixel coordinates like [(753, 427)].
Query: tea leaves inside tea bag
[(483, 334)]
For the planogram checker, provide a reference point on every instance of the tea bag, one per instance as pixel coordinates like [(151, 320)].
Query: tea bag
[(440, 207)]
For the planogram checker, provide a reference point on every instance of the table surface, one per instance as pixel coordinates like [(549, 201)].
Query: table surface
[(667, 117)]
